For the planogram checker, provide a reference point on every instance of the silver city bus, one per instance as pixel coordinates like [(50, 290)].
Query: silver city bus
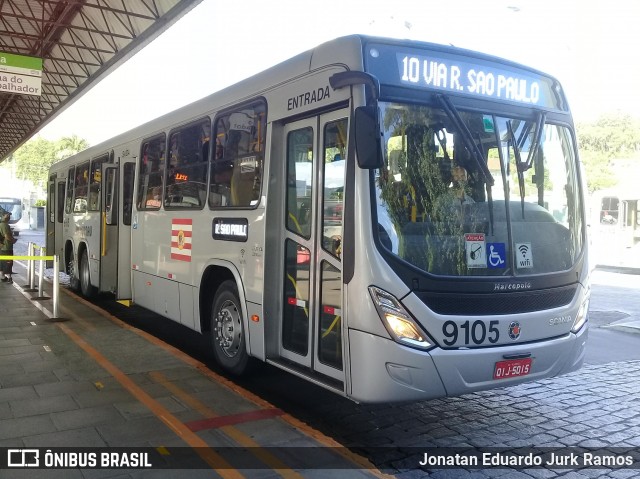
[(392, 220)]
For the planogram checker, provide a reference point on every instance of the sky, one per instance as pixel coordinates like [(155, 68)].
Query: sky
[(589, 45)]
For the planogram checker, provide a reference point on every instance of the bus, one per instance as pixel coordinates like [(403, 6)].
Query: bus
[(609, 210), (13, 206), (308, 217)]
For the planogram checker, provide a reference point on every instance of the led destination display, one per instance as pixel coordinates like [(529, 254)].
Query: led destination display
[(459, 74)]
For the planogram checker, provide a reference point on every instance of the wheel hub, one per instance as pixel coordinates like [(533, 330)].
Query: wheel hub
[(228, 329)]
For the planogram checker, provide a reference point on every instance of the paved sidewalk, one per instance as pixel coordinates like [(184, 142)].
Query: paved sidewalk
[(612, 283), (87, 380)]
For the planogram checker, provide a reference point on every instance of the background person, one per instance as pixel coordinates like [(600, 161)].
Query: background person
[(6, 248)]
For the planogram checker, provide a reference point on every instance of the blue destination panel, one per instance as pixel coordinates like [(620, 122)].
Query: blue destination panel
[(462, 74)]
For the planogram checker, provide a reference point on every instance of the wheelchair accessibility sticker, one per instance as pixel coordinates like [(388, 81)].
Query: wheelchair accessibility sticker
[(496, 255)]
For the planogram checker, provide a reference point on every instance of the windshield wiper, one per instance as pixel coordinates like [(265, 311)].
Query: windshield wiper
[(535, 144), (534, 157), (520, 166), (472, 146), (468, 139)]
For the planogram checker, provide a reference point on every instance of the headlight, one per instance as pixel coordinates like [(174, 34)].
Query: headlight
[(581, 317), (396, 319)]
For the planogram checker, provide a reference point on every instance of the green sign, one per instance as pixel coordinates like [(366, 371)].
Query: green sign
[(20, 74), (20, 61)]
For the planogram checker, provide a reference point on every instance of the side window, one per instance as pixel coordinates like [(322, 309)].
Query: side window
[(335, 148), (150, 179), (127, 192), (186, 185), (299, 181), (238, 157), (51, 198), (60, 202), (94, 182), (71, 178), (81, 188), (111, 196)]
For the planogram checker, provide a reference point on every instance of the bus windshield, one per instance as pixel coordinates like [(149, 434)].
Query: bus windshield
[(476, 193)]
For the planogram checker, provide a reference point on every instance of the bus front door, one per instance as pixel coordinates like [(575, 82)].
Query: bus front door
[(312, 327)]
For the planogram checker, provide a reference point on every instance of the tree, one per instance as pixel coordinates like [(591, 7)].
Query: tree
[(598, 169), (70, 145), (612, 136), (34, 158)]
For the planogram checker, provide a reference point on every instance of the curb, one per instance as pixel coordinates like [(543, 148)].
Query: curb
[(618, 269), (626, 328)]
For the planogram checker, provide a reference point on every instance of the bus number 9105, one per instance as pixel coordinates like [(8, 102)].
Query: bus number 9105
[(475, 332)]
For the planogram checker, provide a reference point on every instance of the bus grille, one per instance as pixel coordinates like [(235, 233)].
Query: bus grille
[(478, 304)]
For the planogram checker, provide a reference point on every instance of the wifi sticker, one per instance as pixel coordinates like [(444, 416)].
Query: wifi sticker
[(524, 255)]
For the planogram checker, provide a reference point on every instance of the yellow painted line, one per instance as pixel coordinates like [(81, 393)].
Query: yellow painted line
[(235, 434), (192, 439)]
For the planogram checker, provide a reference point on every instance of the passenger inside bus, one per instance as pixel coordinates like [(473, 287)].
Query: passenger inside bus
[(237, 160), (152, 169), (187, 173), (451, 203)]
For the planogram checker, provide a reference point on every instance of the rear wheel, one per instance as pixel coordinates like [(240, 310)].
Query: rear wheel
[(85, 276), (74, 283), (227, 330)]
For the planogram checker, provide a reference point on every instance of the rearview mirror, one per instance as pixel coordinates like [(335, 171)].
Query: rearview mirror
[(368, 139)]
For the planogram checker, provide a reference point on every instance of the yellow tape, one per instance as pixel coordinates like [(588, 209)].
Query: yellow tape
[(27, 257)]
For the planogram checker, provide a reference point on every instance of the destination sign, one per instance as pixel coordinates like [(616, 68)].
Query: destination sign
[(457, 73), (469, 78), (230, 229)]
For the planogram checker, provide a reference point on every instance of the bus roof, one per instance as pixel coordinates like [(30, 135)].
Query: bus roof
[(347, 51)]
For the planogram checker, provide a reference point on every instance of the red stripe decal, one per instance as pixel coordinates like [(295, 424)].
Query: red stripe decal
[(221, 421), (181, 221)]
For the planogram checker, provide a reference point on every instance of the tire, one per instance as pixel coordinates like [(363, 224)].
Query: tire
[(227, 330), (85, 277), (74, 282)]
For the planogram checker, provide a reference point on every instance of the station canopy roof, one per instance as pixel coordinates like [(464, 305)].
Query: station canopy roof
[(79, 42)]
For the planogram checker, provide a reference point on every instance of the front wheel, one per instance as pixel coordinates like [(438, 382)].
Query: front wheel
[(227, 330)]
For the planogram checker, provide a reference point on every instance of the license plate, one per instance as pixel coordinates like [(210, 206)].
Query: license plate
[(512, 368)]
